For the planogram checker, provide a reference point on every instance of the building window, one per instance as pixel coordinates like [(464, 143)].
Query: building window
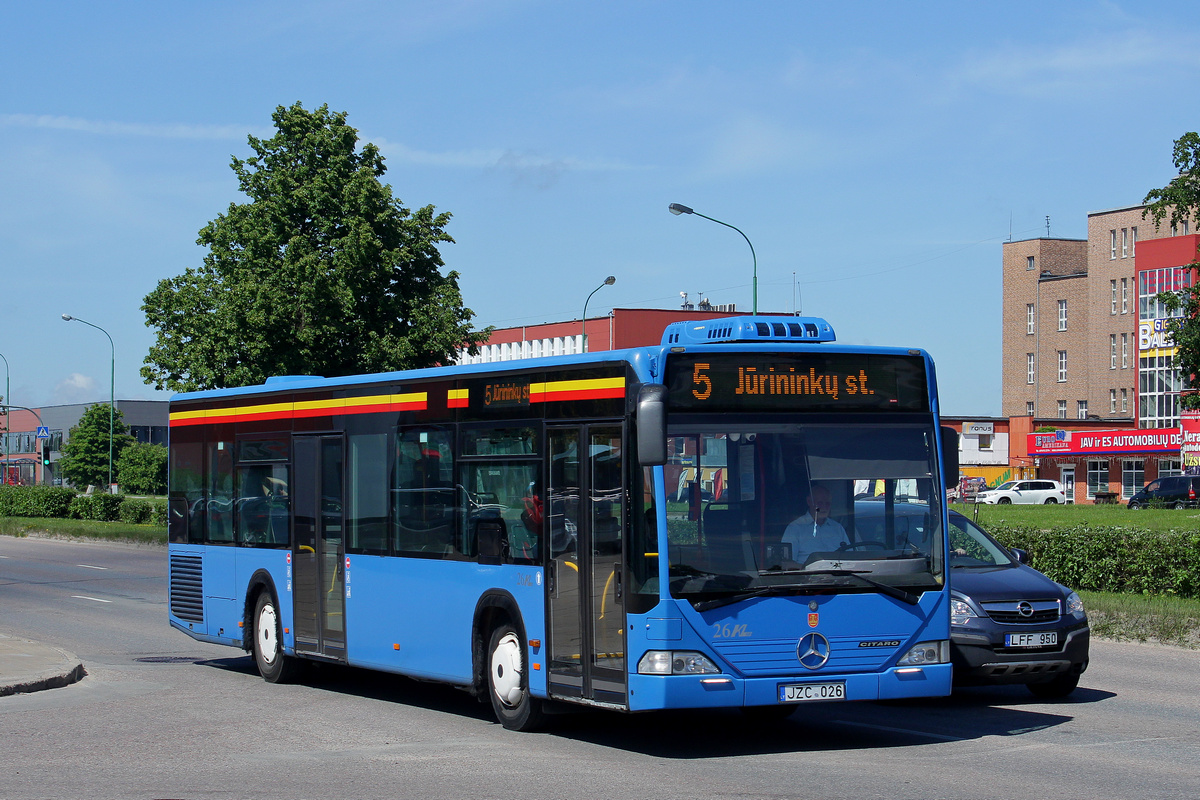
[(1169, 466), (1124, 401), (1029, 408), (1062, 366), (1030, 318), (1028, 262), (1112, 401), (1124, 243), (1062, 315), (1133, 241), (1062, 409), (1029, 368), (1097, 477), (985, 441), (1113, 285), (1133, 476), (1112, 240), (1185, 227), (1112, 348), (1124, 295), (1081, 409), (1124, 350), (1174, 229)]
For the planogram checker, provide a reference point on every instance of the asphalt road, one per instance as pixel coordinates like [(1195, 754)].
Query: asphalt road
[(160, 715)]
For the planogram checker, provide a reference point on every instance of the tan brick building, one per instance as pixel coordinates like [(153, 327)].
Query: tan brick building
[(1070, 321)]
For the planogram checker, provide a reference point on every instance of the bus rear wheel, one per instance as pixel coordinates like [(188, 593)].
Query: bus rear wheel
[(273, 665), (508, 682)]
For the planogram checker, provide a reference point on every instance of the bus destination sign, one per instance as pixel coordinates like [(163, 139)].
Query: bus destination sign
[(800, 381)]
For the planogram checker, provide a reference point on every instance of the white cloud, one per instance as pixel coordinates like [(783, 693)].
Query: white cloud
[(110, 128), (76, 388)]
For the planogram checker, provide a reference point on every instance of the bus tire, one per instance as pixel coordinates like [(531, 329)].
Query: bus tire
[(273, 664), (508, 681)]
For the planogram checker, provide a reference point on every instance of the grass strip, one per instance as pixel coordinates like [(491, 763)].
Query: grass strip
[(83, 529), (1157, 618)]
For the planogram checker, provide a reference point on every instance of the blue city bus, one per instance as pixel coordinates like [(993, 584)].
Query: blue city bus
[(626, 529)]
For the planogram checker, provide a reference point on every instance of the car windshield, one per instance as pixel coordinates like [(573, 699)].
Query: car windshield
[(972, 547), (814, 508), (1006, 486)]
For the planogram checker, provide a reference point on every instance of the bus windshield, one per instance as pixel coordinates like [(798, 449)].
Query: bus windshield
[(818, 507)]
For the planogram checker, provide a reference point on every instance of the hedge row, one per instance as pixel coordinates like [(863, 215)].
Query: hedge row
[(1109, 559), (61, 502)]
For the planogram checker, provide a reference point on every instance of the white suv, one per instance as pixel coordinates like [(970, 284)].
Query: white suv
[(1023, 492)]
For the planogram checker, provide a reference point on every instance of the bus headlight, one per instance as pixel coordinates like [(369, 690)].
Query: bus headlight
[(675, 662), (926, 653)]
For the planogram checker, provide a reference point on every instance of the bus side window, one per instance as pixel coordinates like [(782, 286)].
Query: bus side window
[(423, 495)]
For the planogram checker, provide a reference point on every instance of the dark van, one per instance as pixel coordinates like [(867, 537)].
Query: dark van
[(1176, 491)]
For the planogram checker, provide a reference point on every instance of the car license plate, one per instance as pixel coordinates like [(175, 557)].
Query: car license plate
[(804, 692), (1040, 639)]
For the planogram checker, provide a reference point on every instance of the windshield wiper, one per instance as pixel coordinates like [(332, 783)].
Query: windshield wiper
[(890, 591), (736, 597)]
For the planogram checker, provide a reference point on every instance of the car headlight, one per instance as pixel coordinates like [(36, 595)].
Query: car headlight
[(1074, 605), (675, 662), (961, 612), (926, 653)]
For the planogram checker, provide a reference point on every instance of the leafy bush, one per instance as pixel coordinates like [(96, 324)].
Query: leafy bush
[(158, 515), (133, 511), (1112, 559), (34, 501), (98, 507)]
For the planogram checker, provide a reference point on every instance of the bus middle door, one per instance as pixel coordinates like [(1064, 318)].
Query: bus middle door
[(586, 520), (319, 580)]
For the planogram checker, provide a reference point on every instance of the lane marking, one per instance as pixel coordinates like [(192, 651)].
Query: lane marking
[(89, 566), (85, 597)]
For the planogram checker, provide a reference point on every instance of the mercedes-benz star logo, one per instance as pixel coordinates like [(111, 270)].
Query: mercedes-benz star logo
[(813, 650)]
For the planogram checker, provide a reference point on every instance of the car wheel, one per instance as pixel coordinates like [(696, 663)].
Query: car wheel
[(1050, 501), (1055, 688), (508, 682), (1179, 506), (1134, 506), (1004, 501)]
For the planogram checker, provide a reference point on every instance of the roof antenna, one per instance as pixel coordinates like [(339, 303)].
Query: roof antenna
[(1047, 226)]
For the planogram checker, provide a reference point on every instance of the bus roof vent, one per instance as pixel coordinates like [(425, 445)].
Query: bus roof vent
[(748, 329)]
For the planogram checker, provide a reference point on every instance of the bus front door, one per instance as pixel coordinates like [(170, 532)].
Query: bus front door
[(586, 518), (319, 578)]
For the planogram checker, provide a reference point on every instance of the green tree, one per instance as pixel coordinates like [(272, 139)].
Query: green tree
[(85, 454), (322, 272), (142, 469), (1177, 202)]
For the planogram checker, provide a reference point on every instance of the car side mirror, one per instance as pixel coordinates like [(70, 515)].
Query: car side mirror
[(1022, 556)]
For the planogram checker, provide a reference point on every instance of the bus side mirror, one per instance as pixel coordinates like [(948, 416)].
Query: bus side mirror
[(652, 425), (950, 457)]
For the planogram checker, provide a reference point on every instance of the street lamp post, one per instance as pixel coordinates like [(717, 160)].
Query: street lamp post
[(678, 208), (609, 281), (111, 390), (7, 417)]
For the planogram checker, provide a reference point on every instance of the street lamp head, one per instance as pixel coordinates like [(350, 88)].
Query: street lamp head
[(610, 280), (67, 317), (677, 209)]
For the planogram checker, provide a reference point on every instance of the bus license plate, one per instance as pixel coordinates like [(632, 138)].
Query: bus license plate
[(803, 692), (1041, 639)]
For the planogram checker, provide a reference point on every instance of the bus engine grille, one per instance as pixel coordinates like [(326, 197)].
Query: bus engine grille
[(187, 587)]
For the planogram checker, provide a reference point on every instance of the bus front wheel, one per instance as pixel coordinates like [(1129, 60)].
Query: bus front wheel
[(273, 665), (508, 682)]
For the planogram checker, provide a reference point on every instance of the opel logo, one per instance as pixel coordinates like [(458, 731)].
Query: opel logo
[(1025, 608), (813, 650)]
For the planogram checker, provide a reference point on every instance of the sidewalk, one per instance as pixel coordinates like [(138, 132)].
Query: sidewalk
[(27, 666)]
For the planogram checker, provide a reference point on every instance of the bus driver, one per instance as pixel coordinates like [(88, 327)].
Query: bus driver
[(815, 531)]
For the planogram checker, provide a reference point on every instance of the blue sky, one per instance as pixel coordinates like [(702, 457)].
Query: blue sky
[(877, 154)]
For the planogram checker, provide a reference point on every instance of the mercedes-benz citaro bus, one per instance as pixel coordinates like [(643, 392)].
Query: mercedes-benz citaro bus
[(656, 528)]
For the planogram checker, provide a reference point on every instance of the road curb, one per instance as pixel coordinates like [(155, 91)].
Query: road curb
[(28, 666)]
